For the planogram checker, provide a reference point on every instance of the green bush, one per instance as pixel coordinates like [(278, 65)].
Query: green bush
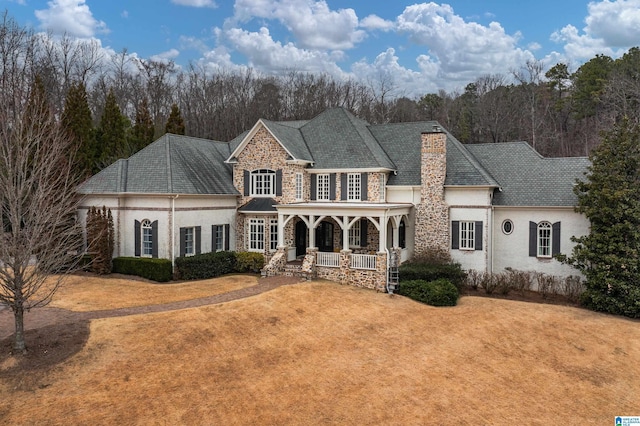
[(249, 262), (435, 293), (431, 272), (205, 265), (159, 270)]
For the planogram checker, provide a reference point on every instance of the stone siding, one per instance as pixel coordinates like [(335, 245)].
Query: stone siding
[(375, 280), (432, 214)]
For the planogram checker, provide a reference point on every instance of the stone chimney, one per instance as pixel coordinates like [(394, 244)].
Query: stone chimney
[(432, 214)]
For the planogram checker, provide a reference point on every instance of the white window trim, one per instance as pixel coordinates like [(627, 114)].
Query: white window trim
[(189, 250), (299, 186), (354, 187), (322, 187), (145, 227), (467, 235), (273, 234), (255, 244), (355, 236), (541, 247), (263, 183), (219, 232)]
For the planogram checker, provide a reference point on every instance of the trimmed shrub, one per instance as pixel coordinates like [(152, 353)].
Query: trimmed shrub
[(159, 270), (573, 288), (435, 293), (205, 265), (249, 262), (452, 272)]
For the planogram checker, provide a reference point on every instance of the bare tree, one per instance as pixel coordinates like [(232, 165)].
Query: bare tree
[(38, 199)]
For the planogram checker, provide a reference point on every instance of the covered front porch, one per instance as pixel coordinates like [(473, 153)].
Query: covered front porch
[(351, 243)]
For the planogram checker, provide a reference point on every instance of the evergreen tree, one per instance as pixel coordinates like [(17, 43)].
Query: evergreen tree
[(112, 133), (143, 131), (175, 123), (76, 118), (609, 256)]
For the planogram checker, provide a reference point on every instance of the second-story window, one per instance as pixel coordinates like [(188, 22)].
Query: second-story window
[(323, 187), (299, 186), (353, 187), (263, 183)]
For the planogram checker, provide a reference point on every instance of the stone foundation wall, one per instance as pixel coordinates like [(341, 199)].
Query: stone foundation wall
[(275, 266), (375, 280)]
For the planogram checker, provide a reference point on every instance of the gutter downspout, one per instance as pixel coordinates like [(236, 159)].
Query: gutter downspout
[(386, 249)]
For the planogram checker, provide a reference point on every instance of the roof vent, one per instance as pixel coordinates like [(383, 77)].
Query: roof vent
[(436, 128)]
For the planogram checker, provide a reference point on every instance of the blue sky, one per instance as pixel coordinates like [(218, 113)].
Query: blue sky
[(423, 47)]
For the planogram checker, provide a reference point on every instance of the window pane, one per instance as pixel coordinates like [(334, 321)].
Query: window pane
[(322, 187), (354, 235), (353, 186), (263, 182), (189, 242), (467, 235), (273, 234), (299, 181), (544, 239), (147, 238), (256, 234), (219, 238)]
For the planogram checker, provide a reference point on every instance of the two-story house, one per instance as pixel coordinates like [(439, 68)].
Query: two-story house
[(347, 198)]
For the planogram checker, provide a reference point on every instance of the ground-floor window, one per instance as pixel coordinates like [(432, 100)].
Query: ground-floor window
[(467, 234), (255, 237), (544, 239), (273, 234), (147, 238)]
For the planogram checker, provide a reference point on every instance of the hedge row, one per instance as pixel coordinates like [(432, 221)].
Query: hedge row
[(440, 292), (211, 265), (431, 272), (159, 270)]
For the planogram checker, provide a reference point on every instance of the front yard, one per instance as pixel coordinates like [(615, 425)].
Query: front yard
[(321, 353)]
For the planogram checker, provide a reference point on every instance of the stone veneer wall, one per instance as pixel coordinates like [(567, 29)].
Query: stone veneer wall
[(432, 214), (375, 280)]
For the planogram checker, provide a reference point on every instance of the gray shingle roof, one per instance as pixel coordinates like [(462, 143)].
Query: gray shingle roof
[(291, 138), (338, 140), (528, 179), (402, 142), (259, 205), (172, 164)]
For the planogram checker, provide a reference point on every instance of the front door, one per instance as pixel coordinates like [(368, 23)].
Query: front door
[(301, 238), (324, 236)]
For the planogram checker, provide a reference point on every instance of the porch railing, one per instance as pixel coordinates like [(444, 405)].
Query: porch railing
[(363, 261), (328, 259)]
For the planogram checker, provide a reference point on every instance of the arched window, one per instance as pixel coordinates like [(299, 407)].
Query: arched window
[(146, 238), (263, 183), (544, 239)]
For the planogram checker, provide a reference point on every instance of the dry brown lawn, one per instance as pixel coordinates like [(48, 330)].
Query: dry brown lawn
[(86, 292), (321, 353)]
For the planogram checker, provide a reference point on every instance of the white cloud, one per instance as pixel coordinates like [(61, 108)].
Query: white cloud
[(374, 22), (70, 16), (611, 28), (462, 50), (269, 55), (167, 56), (195, 3), (311, 22)]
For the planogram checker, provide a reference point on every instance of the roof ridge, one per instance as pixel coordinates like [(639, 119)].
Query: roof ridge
[(472, 158)]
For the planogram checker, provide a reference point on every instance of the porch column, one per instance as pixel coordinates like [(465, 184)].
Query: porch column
[(280, 230), (382, 239), (312, 231), (345, 233)]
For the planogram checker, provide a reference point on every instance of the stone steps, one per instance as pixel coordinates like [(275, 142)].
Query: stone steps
[(293, 269)]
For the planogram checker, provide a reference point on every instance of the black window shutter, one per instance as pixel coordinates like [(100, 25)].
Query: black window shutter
[(183, 242), (278, 182), (154, 238), (455, 234), (363, 232), (343, 186), (247, 182), (555, 243), (226, 237), (332, 186), (533, 239), (478, 236), (214, 233), (364, 187), (197, 242), (137, 238), (313, 187)]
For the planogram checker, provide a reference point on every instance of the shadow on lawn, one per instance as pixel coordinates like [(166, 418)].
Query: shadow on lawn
[(47, 347)]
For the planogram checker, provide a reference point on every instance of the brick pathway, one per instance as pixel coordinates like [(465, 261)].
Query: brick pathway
[(41, 317)]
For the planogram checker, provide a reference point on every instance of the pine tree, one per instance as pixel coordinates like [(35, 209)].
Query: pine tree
[(175, 123), (112, 132), (143, 131), (76, 118), (609, 256)]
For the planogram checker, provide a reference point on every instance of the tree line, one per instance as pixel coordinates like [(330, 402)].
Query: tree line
[(115, 105)]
